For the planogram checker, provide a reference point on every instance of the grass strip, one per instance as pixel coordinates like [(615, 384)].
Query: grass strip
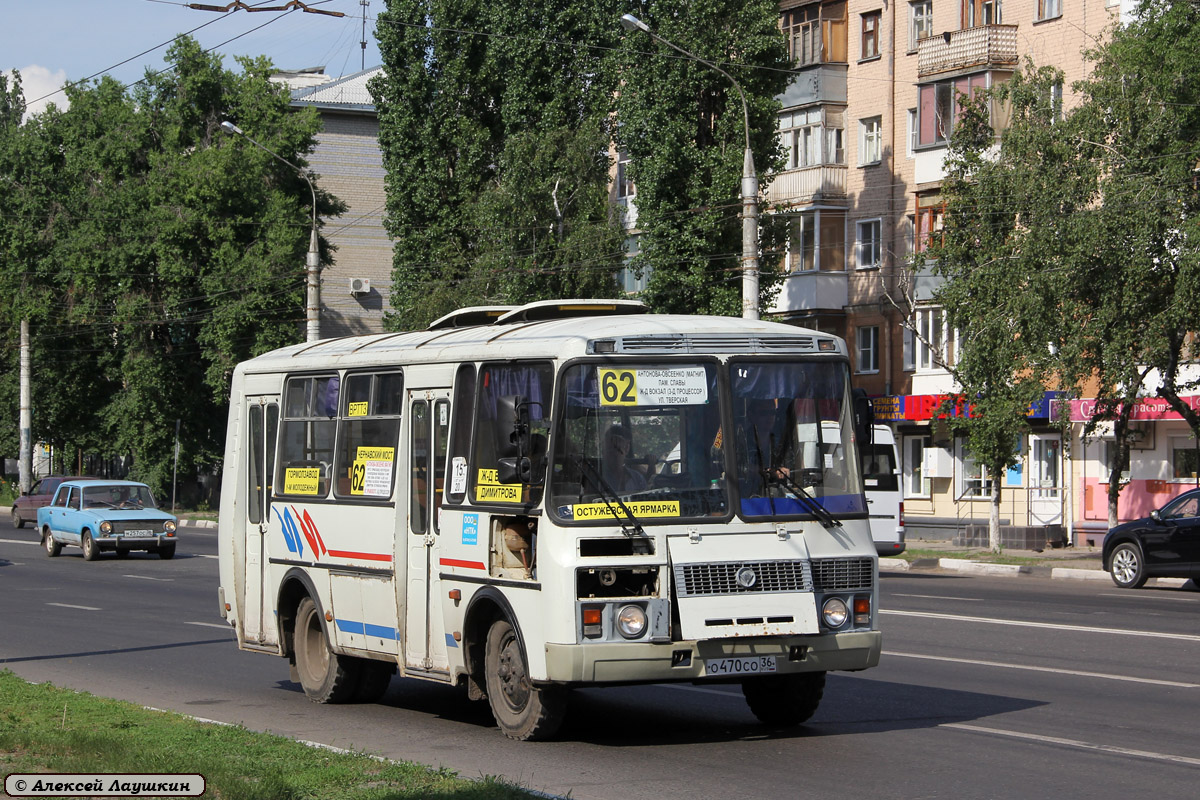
[(44, 728)]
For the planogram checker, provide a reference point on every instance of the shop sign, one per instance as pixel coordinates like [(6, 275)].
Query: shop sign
[(921, 407), (1146, 408)]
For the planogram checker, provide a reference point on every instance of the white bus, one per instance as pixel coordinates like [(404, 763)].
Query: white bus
[(563, 494)]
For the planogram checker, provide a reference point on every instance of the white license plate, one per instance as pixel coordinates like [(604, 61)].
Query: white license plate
[(136, 534), (746, 665)]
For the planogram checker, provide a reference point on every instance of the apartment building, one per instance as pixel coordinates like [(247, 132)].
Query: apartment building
[(865, 125)]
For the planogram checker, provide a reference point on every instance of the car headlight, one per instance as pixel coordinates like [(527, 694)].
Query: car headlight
[(835, 612), (631, 621), (169, 526), (106, 527)]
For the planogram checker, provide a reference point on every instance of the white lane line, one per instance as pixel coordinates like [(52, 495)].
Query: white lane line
[(1183, 637), (20, 541), (149, 578), (211, 625), (1180, 598), (1103, 748), (1031, 668), (942, 597), (81, 608), (201, 555)]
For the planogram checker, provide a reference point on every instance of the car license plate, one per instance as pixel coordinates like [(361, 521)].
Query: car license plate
[(138, 533), (746, 665)]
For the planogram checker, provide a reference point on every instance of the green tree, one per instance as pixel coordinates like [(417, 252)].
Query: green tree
[(155, 252), (494, 130), (683, 127)]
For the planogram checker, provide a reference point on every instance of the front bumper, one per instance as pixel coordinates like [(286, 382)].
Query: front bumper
[(673, 661), (135, 542)]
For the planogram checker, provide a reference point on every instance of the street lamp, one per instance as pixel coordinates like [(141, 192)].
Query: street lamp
[(749, 179), (313, 302)]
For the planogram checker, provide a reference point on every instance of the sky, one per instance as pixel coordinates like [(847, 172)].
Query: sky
[(52, 42)]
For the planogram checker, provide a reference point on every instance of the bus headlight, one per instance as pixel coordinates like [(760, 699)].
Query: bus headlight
[(631, 621), (835, 612)]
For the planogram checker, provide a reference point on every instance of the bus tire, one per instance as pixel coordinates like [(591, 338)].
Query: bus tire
[(325, 676), (374, 677), (523, 711), (784, 700)]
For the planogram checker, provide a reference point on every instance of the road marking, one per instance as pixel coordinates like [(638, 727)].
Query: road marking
[(149, 578), (211, 625), (201, 555), (1103, 748), (81, 608), (1179, 598), (1183, 637), (943, 597), (19, 541), (1031, 668)]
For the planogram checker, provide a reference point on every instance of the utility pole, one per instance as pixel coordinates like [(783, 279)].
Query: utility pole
[(25, 467), (365, 4)]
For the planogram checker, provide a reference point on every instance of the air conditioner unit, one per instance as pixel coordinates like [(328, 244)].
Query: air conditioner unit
[(360, 285)]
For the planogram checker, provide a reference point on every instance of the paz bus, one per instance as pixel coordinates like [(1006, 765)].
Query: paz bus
[(522, 500)]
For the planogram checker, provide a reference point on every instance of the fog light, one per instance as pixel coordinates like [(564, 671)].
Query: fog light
[(631, 621), (835, 612)]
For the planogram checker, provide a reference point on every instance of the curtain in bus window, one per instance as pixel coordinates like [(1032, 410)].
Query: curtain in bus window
[(531, 384)]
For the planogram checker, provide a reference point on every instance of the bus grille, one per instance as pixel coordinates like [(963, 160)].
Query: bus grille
[(841, 574), (714, 343), (698, 580)]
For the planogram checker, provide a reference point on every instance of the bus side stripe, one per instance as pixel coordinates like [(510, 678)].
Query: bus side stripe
[(455, 562), (363, 556)]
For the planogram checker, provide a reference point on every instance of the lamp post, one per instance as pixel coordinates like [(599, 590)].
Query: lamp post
[(749, 179), (313, 262)]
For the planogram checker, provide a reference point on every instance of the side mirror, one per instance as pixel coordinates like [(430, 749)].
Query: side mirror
[(1156, 516), (512, 426), (864, 416)]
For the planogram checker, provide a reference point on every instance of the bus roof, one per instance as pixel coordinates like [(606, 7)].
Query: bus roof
[(562, 329)]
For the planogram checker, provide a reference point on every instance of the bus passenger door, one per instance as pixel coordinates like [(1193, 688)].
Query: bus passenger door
[(429, 424), (261, 428)]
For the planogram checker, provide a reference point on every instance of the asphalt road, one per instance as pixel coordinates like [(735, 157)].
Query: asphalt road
[(989, 688)]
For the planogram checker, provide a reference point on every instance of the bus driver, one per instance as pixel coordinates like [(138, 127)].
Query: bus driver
[(621, 476)]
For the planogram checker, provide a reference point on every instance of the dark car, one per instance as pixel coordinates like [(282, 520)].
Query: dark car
[(40, 493), (1165, 544)]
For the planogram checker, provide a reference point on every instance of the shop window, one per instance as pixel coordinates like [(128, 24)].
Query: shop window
[(974, 481), (1108, 455), (1185, 458), (916, 483)]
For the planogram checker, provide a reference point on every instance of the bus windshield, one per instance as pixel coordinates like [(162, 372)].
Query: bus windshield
[(794, 429), (646, 435)]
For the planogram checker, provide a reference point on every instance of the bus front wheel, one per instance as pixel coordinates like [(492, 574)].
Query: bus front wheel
[(784, 699), (523, 711), (325, 676)]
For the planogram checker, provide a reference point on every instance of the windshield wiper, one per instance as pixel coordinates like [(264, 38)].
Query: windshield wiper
[(784, 476), (629, 524)]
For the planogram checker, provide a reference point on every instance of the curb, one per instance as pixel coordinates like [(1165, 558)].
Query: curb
[(198, 523), (1079, 574), (981, 568)]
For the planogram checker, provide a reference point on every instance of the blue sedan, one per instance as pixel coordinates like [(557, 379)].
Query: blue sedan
[(106, 515)]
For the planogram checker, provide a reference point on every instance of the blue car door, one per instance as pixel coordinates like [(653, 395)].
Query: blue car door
[(58, 509)]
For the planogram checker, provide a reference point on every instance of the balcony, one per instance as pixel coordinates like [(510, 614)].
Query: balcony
[(812, 291), (982, 47), (807, 185), (823, 83)]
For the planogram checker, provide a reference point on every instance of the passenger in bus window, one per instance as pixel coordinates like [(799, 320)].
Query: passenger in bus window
[(613, 461)]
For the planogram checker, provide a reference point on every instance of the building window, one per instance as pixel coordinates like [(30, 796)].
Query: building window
[(632, 281), (938, 106), (910, 134), (870, 34), (1056, 100), (1184, 458), (974, 483), (625, 186), (930, 221), (1108, 454), (866, 345), (870, 141), (815, 241), (916, 484), (812, 137), (868, 243), (1049, 9), (816, 33), (929, 341), (920, 22), (980, 12)]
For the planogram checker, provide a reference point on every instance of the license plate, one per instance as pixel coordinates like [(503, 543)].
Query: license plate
[(747, 665), (135, 534)]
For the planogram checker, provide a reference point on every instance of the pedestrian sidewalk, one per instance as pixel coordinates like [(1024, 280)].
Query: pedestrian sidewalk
[(1064, 563)]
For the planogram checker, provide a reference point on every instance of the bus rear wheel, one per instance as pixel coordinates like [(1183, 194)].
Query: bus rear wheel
[(784, 700), (523, 711), (325, 676)]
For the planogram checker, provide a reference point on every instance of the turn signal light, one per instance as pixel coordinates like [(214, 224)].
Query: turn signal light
[(862, 611), (591, 616)]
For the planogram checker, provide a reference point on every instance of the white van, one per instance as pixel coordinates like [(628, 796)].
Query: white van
[(881, 477)]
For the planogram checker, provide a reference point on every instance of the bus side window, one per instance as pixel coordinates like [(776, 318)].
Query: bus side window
[(530, 384), (306, 443), (460, 433), (368, 434)]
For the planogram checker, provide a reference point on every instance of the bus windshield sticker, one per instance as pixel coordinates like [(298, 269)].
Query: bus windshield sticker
[(302, 480), (653, 387), (371, 474), (458, 475), (358, 409), (489, 489), (644, 509)]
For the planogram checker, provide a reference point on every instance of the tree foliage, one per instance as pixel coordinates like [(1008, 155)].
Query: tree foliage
[(151, 252), (497, 121)]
